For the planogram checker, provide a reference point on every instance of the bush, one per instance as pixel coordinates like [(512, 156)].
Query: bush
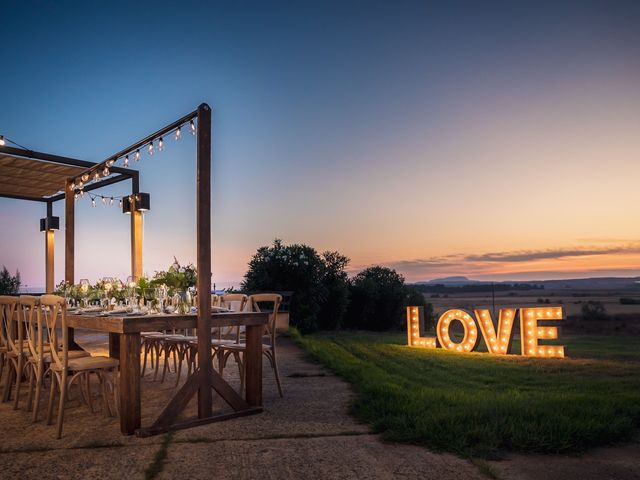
[(319, 283), (9, 284), (415, 298), (336, 285), (594, 311), (378, 298)]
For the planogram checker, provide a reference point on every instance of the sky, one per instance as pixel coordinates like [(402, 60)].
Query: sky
[(496, 140)]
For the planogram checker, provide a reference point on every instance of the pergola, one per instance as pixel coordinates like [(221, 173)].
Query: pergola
[(46, 178), (42, 177)]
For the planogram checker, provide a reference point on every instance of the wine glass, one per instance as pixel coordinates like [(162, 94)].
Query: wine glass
[(131, 293), (161, 295), (84, 291)]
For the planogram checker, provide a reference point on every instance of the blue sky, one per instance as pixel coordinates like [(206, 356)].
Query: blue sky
[(411, 134)]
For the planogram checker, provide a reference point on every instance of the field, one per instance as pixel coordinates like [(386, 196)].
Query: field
[(480, 405), (571, 300)]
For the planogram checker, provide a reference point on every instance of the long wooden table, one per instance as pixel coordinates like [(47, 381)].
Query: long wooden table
[(124, 344)]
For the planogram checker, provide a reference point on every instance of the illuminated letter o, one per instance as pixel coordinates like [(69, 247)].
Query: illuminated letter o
[(470, 339)]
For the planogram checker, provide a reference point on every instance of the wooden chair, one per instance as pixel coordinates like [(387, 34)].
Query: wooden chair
[(37, 350), (66, 370), (268, 348), (12, 347), (223, 335), (4, 346)]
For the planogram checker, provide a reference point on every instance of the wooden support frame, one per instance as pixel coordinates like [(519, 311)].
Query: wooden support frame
[(49, 254), (125, 344), (203, 258), (136, 243)]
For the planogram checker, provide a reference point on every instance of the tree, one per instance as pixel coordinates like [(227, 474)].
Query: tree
[(377, 300), (318, 282), (594, 311), (9, 284), (336, 285)]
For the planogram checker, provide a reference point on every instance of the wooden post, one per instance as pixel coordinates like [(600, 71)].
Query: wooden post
[(130, 408), (253, 365), (69, 244), (49, 236), (69, 233), (136, 242), (203, 259)]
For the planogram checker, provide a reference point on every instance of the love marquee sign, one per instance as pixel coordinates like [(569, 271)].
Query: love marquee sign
[(498, 340)]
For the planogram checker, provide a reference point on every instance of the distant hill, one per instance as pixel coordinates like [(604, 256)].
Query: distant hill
[(594, 283), (452, 281)]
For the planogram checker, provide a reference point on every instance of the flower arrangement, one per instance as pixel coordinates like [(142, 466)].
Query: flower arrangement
[(177, 278)]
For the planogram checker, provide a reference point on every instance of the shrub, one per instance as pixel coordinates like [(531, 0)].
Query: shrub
[(319, 283), (378, 298), (415, 298), (9, 284), (594, 311), (336, 286)]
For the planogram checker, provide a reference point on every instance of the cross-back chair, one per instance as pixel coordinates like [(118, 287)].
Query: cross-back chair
[(66, 370), (269, 336), (12, 351), (38, 350)]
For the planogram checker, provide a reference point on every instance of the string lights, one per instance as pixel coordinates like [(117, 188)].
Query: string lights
[(106, 200), (103, 169)]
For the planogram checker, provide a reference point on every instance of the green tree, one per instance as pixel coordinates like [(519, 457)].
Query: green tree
[(336, 286), (378, 299), (316, 282), (9, 284)]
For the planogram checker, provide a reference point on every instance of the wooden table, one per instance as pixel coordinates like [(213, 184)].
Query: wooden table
[(124, 344)]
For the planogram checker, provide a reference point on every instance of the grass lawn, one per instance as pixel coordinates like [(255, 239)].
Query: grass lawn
[(481, 405)]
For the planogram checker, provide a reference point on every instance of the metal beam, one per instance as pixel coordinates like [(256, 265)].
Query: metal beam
[(141, 143), (24, 197), (94, 186)]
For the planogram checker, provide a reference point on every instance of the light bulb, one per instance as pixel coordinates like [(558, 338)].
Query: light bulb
[(85, 177), (105, 172), (110, 162), (193, 127), (2, 142), (80, 184), (120, 203), (75, 197), (126, 161), (93, 202), (150, 149), (111, 201), (178, 134), (82, 193), (104, 200), (96, 176), (72, 187), (137, 155), (160, 144)]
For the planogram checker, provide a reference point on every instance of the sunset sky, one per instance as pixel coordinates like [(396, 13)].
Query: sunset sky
[(496, 140)]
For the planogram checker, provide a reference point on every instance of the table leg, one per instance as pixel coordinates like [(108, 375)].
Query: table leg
[(253, 365), (130, 409), (71, 338), (114, 345)]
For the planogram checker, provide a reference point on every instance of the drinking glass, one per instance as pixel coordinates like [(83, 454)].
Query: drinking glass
[(84, 291)]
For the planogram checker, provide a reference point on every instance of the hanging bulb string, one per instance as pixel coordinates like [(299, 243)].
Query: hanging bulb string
[(103, 169), (107, 200)]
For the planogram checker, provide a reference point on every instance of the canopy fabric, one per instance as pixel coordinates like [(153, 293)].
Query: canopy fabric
[(33, 178)]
